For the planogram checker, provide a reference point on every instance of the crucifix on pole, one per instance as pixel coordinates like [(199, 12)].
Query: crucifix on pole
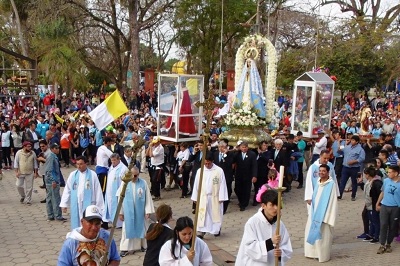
[(208, 106)]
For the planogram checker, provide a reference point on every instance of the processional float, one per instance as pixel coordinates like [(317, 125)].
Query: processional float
[(252, 106)]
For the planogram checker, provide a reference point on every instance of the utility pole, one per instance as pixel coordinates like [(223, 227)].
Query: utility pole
[(257, 26)]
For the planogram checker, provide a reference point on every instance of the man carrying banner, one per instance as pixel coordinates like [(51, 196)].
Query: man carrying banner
[(117, 170), (135, 212), (213, 193)]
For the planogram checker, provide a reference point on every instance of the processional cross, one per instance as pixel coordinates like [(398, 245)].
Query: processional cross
[(208, 105)]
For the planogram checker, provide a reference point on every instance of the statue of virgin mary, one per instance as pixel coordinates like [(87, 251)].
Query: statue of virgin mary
[(250, 93)]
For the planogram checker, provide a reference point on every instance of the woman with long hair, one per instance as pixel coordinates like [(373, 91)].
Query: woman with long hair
[(177, 251), (157, 234)]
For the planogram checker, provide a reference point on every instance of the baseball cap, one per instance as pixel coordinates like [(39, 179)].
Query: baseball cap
[(320, 131), (92, 212)]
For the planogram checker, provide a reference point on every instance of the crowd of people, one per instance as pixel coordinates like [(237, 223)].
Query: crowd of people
[(59, 133)]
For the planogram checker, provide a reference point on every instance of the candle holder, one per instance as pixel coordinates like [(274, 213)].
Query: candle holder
[(278, 218)]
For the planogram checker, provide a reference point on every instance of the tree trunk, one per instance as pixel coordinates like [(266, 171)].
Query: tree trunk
[(20, 33), (134, 29)]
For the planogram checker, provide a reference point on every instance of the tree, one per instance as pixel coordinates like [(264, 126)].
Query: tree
[(198, 25), (367, 14), (160, 40), (110, 43), (58, 59)]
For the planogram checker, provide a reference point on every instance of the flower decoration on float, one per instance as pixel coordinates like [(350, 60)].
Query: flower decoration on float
[(242, 116), (249, 48)]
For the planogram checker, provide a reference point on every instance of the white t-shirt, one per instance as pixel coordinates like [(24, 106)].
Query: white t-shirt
[(158, 155), (103, 154), (182, 156)]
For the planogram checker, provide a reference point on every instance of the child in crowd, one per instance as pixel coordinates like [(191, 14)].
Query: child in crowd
[(388, 204), (273, 182), (372, 189)]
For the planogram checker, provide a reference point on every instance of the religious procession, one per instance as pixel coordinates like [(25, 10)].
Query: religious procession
[(121, 162)]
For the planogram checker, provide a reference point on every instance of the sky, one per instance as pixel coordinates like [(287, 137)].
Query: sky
[(330, 12)]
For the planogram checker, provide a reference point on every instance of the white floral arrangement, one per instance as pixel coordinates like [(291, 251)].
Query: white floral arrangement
[(243, 117), (248, 46), (304, 124)]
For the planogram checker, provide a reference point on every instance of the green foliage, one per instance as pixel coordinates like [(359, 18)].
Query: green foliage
[(293, 63), (58, 59), (198, 25), (355, 62), (148, 58)]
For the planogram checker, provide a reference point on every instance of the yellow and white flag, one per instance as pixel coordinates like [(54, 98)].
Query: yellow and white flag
[(109, 110)]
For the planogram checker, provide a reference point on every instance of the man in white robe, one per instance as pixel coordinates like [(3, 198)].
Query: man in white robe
[(313, 176), (260, 245), (135, 213), (81, 190), (213, 193), (322, 217), (115, 173)]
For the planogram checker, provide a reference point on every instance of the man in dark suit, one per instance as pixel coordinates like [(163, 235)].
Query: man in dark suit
[(225, 159), (262, 168), (278, 154), (195, 159), (127, 157), (246, 174)]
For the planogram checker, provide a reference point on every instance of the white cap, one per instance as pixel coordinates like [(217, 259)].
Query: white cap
[(92, 212)]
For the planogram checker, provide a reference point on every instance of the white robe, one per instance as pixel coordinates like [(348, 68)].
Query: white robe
[(215, 174), (253, 250), (309, 190), (202, 255), (131, 244), (322, 248), (97, 194), (110, 196)]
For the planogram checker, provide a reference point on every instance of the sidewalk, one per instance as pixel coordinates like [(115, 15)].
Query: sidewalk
[(26, 238)]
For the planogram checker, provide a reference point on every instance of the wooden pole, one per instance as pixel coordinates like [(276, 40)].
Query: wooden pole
[(278, 215), (207, 105)]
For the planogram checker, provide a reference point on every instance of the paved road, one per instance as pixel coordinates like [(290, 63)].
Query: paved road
[(26, 238)]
